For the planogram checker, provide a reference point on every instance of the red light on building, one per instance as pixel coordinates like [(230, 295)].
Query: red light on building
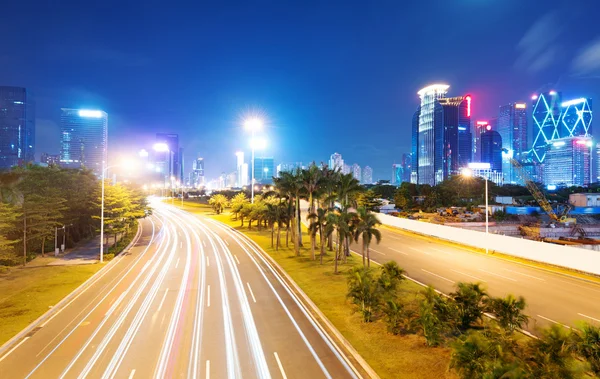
[(468, 98), (482, 123)]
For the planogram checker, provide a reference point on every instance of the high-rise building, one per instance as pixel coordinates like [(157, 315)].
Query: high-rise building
[(169, 161), (414, 174), (264, 170), (367, 175), (356, 172), (444, 143), (17, 127), (479, 128), (512, 126), (597, 162), (567, 161), (346, 169), (198, 173), (406, 167), (336, 162), (287, 167), (576, 118), (84, 136), (491, 149), (232, 179), (546, 122), (50, 159), (397, 173), (240, 169)]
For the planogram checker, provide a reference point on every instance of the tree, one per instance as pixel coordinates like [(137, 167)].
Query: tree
[(367, 229), (333, 226), (9, 219), (117, 210), (390, 278), (347, 187), (474, 355), (368, 200), (586, 343), (437, 317), (399, 318), (218, 203), (509, 312), (364, 292), (318, 224), (237, 203), (470, 299)]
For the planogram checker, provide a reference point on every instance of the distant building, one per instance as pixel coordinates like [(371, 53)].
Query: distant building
[(414, 155), (444, 141), (407, 167), (232, 179), (169, 162), (480, 127), (356, 172), (546, 122), (346, 169), (491, 149), (512, 126), (240, 169), (50, 159), (584, 199), (264, 170), (397, 174), (367, 175), (576, 118), (336, 162), (198, 173), (483, 170), (287, 167), (17, 127), (84, 135), (567, 162)]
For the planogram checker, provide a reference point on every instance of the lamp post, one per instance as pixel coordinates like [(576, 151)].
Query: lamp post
[(253, 124), (469, 173)]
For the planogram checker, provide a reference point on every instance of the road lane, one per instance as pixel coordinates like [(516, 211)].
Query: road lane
[(192, 299)]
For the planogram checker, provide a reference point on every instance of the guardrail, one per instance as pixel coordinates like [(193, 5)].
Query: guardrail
[(564, 256)]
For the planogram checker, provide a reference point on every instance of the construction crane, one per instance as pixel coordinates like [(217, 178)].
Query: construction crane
[(539, 196)]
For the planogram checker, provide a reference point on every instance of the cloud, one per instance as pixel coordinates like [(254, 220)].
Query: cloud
[(538, 47), (587, 61)]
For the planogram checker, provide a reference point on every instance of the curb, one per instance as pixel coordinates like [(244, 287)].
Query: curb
[(8, 344), (322, 318)]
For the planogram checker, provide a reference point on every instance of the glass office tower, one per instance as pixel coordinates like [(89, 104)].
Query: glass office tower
[(17, 127), (84, 137)]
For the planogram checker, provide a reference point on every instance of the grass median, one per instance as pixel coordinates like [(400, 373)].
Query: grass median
[(390, 356)]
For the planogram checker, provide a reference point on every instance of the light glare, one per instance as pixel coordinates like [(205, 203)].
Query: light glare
[(90, 113)]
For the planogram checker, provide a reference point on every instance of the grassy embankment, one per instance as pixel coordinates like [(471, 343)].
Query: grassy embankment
[(28, 292), (390, 356)]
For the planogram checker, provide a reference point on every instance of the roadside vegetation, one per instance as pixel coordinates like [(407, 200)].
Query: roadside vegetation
[(401, 329), (35, 200)]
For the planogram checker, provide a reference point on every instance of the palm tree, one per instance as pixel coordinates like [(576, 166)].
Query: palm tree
[(470, 298), (586, 342), (328, 184), (289, 185), (347, 187), (237, 203), (310, 182), (333, 226), (218, 203), (367, 229), (318, 222), (509, 312), (345, 230)]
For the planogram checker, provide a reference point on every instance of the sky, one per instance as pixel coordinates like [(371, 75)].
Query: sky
[(326, 76)]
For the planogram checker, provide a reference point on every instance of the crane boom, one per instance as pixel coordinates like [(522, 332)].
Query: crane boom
[(535, 191)]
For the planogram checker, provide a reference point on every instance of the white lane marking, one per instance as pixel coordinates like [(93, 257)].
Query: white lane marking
[(145, 267), (226, 243), (163, 300), (208, 296), (498, 275), (470, 276), (14, 348), (439, 276), (441, 251), (590, 317), (394, 237), (204, 243), (116, 303), (378, 252), (280, 365), (207, 261), (397, 251), (132, 374), (177, 263), (527, 275), (207, 369), (556, 322), (420, 251), (251, 293), (236, 259)]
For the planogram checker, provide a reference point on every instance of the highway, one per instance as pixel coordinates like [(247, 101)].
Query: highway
[(191, 299), (551, 297)]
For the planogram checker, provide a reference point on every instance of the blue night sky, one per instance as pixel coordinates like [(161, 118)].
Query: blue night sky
[(327, 76)]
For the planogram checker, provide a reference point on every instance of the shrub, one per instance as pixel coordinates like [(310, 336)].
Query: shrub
[(364, 291), (470, 299), (399, 318), (509, 312)]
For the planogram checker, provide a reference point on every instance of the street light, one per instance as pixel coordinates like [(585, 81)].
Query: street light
[(253, 125), (104, 170), (469, 173)]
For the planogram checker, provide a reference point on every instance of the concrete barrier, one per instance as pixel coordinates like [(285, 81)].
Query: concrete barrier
[(565, 256)]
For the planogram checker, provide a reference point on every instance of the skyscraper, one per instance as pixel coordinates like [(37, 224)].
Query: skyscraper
[(264, 170), (84, 135), (479, 128), (512, 126), (17, 127), (414, 174), (198, 172), (567, 161), (546, 122), (397, 173), (336, 162), (367, 175), (50, 159), (346, 169), (491, 149), (576, 118), (407, 161), (170, 162), (444, 143), (356, 172)]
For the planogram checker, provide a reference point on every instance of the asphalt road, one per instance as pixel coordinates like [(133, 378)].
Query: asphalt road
[(192, 299), (551, 297)]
